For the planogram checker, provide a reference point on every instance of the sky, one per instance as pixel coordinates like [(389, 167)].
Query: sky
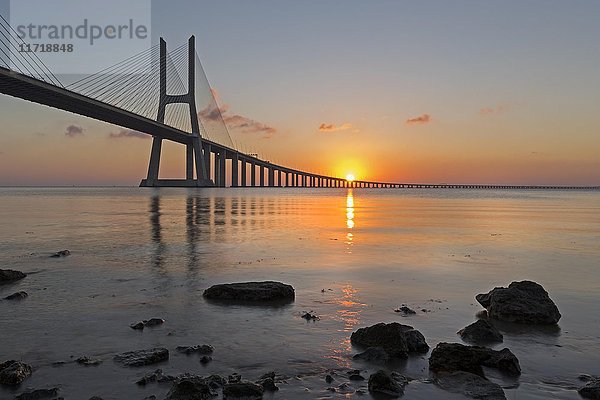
[(503, 92)]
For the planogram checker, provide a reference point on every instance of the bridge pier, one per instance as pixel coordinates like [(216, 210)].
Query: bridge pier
[(234, 170)]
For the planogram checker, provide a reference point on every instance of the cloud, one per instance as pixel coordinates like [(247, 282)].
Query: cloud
[(214, 113), (420, 120), (128, 133), (74, 131), (493, 110), (333, 128)]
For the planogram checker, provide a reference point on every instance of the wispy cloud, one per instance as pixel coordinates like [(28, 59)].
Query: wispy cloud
[(240, 123), (74, 131), (492, 110), (128, 133), (420, 120), (335, 128)]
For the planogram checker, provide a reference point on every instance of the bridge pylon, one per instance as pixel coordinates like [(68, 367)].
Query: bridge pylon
[(194, 156)]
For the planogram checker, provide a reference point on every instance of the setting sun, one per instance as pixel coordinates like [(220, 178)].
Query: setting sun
[(350, 177)]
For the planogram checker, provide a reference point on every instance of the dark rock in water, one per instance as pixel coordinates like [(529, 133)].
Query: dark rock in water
[(591, 390), (100, 398), (405, 311), (16, 296), (142, 357), (62, 253), (38, 394), (14, 372), (156, 376), (251, 291), (373, 354), (451, 357), (205, 359), (9, 275), (522, 302), (470, 385), (85, 360), (242, 390), (267, 381), (328, 378), (481, 331), (201, 349), (390, 385), (396, 339), (137, 326), (310, 317), (154, 322), (191, 388), (356, 377), (234, 378), (147, 323)]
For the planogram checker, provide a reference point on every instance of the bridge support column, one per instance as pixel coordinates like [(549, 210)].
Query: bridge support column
[(217, 170), (243, 172), (154, 165), (271, 176), (252, 174), (222, 169), (262, 175), (234, 170), (279, 181)]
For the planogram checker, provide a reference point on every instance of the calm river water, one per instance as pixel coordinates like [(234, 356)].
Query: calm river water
[(353, 256)]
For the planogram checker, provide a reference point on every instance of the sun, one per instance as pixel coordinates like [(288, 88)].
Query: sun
[(350, 177)]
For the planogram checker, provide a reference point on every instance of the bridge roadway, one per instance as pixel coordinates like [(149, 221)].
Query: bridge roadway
[(271, 175)]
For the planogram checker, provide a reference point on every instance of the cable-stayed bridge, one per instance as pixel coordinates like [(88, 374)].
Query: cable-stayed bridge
[(166, 94)]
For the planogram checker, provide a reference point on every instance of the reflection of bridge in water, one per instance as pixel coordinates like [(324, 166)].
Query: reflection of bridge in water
[(135, 94)]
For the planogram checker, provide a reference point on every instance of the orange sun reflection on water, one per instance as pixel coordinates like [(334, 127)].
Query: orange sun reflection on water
[(349, 217)]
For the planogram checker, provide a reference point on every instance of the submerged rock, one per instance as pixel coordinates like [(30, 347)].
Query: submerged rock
[(38, 394), (17, 296), (481, 331), (191, 388), (310, 317), (147, 323), (591, 390), (242, 390), (205, 359), (201, 349), (395, 339), (142, 357), (373, 354), (62, 253), (267, 381), (391, 385), (405, 311), (470, 385), (522, 302), (451, 357), (14, 372), (251, 291), (9, 275), (87, 361)]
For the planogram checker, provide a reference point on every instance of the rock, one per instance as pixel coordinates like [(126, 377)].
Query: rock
[(17, 296), (205, 359), (481, 331), (396, 339), (328, 378), (191, 388), (9, 275), (522, 302), (451, 357), (470, 385), (591, 390), (147, 323), (356, 377), (310, 317), (38, 394), (137, 326), (85, 360), (391, 385), (154, 322), (405, 311), (156, 376), (234, 378), (142, 357), (14, 372), (267, 381), (100, 398), (242, 390), (201, 349), (62, 253), (373, 354), (251, 291)]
